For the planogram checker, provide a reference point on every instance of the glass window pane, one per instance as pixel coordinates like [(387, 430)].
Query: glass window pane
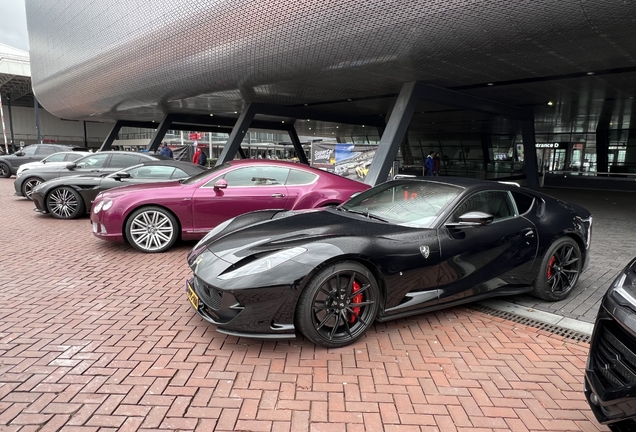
[(179, 174), (94, 161), (151, 172), (29, 150), (123, 160), (58, 157), (297, 177), (496, 203), (257, 176)]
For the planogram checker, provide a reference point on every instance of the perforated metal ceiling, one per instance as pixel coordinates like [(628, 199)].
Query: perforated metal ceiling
[(137, 59)]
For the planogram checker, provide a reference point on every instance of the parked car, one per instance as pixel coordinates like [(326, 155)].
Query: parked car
[(71, 197), (610, 374), (94, 164), (9, 164), (56, 159), (399, 249), (152, 217)]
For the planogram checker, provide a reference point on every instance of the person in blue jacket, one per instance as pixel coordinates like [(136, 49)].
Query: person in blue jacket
[(430, 164), (165, 151)]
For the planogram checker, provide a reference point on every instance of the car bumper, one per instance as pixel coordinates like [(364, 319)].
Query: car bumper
[(106, 229), (17, 185), (610, 374), (38, 200), (255, 313)]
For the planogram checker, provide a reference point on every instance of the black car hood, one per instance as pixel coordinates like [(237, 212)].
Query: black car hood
[(296, 230)]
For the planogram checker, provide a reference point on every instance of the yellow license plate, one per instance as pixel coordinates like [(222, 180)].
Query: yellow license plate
[(193, 297)]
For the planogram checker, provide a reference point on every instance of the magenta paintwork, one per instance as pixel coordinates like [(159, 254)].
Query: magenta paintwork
[(200, 206)]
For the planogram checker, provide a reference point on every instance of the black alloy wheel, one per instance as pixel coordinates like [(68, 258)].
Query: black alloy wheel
[(5, 171), (65, 203), (560, 270), (28, 185), (338, 305)]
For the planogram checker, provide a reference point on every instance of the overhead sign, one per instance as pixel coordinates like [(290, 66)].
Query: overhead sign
[(547, 145)]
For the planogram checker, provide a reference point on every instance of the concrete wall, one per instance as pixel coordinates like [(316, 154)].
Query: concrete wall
[(51, 127)]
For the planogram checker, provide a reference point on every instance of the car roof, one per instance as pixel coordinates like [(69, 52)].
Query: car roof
[(286, 164)]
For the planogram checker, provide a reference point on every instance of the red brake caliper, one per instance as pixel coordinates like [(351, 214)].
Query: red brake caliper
[(355, 299), (550, 264)]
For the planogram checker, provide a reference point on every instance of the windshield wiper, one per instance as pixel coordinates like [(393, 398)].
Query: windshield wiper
[(365, 214)]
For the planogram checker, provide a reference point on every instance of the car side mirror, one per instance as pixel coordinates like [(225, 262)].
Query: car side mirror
[(71, 165), (221, 184), (19, 154), (471, 219), (121, 175)]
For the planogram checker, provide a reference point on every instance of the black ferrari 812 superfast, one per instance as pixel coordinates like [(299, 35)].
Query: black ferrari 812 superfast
[(401, 248)]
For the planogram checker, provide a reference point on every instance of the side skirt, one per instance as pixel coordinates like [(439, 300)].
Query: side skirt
[(506, 292)]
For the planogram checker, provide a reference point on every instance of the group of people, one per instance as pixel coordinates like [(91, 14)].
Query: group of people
[(433, 164), (199, 158)]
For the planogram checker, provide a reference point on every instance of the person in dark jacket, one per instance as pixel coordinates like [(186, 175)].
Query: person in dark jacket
[(199, 157), (437, 164), (165, 151)]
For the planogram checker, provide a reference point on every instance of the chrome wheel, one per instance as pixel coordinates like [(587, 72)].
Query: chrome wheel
[(152, 231), (563, 269), (29, 185), (63, 203)]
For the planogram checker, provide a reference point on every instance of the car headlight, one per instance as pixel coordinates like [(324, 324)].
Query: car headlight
[(622, 290), (98, 207), (107, 204), (265, 263), (217, 229)]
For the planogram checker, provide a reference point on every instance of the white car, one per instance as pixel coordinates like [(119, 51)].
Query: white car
[(56, 159)]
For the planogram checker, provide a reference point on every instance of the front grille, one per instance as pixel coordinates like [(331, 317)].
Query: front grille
[(210, 295), (614, 356)]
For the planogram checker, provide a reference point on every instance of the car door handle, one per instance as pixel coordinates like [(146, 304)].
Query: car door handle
[(529, 232), (278, 195)]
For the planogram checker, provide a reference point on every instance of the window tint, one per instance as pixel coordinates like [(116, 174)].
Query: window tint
[(523, 201), (57, 157), (73, 156), (179, 174), (151, 172), (256, 176), (93, 161), (29, 150), (297, 177), (46, 150), (123, 161), (496, 203)]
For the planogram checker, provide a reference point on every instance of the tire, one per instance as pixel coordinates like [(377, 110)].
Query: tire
[(28, 185), (331, 321), (65, 203), (559, 271), (152, 229), (5, 170)]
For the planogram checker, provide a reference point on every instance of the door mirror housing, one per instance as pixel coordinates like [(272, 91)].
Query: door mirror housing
[(471, 219), (220, 184), (71, 165), (20, 153), (121, 175)]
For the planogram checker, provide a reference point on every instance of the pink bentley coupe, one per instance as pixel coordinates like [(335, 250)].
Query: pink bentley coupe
[(152, 217)]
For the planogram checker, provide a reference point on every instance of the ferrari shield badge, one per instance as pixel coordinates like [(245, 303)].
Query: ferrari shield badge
[(425, 250)]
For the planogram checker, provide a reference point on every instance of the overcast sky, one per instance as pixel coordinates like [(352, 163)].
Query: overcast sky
[(13, 27)]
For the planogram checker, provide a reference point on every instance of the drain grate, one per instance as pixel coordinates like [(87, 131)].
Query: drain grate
[(554, 329)]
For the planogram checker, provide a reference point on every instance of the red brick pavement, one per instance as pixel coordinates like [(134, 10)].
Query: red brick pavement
[(95, 336)]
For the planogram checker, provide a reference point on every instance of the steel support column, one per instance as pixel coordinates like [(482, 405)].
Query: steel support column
[(238, 133), (37, 118), (85, 137), (393, 134), (530, 154), (11, 121), (602, 136), (300, 152), (111, 137), (160, 133)]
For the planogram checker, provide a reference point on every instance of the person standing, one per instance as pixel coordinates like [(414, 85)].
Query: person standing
[(165, 150), (429, 164), (437, 164), (199, 157)]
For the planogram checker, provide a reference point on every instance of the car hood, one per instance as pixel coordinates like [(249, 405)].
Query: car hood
[(141, 188), (295, 229)]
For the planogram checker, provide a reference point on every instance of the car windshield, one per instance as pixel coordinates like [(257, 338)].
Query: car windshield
[(204, 174), (406, 203)]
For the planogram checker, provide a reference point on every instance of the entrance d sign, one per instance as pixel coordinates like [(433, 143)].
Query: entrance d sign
[(547, 145)]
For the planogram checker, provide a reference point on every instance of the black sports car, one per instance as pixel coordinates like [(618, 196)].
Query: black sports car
[(398, 249), (71, 197), (610, 374)]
